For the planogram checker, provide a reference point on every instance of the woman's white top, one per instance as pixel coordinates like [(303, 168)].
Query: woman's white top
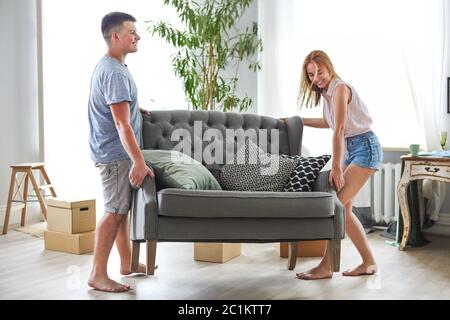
[(357, 118)]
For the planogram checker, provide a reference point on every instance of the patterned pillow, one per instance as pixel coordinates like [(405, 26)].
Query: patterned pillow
[(305, 173), (255, 170)]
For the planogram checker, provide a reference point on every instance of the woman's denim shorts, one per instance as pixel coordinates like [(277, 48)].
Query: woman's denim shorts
[(364, 150)]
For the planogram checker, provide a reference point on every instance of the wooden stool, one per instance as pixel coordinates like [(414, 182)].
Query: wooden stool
[(27, 170)]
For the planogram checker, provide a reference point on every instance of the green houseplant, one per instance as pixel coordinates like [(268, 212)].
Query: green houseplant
[(210, 47)]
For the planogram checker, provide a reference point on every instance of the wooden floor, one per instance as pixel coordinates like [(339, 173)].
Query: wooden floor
[(27, 271)]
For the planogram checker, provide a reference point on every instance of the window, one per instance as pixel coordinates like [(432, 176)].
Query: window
[(72, 45), (374, 45)]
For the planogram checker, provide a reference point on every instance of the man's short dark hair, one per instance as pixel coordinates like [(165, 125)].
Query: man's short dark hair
[(114, 20)]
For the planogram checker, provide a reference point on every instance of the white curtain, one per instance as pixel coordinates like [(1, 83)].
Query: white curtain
[(388, 50), (445, 93), (426, 58)]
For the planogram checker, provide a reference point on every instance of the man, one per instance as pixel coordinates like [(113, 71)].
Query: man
[(115, 137)]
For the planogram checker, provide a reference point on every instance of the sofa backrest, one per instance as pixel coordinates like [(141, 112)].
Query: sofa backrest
[(160, 130)]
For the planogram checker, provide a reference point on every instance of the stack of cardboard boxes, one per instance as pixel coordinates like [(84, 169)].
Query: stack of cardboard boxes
[(70, 225)]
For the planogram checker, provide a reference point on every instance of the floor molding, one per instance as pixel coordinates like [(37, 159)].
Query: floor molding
[(33, 215)]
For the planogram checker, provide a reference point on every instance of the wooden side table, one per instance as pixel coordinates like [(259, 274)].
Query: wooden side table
[(415, 168)]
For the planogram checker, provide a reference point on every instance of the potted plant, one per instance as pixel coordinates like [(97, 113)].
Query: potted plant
[(210, 47)]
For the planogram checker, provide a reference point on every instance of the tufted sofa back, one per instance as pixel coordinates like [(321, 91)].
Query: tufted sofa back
[(164, 129)]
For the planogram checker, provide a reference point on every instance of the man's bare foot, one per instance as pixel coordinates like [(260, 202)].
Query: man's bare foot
[(125, 271), (361, 270), (106, 284), (316, 273)]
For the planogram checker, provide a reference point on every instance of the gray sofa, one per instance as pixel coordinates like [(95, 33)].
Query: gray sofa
[(178, 215)]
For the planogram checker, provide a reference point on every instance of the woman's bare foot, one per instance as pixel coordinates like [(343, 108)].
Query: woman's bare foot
[(316, 273), (106, 284), (125, 271), (362, 270)]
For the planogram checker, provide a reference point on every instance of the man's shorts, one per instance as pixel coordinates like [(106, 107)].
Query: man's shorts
[(117, 190)]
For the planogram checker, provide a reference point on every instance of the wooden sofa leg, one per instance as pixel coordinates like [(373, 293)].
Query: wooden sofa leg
[(135, 256), (151, 256), (292, 255), (335, 249)]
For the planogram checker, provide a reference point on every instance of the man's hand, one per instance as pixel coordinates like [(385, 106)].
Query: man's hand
[(138, 172), (145, 111)]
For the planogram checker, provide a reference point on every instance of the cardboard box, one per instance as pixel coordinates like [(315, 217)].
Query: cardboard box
[(216, 252), (70, 216), (71, 243), (313, 248)]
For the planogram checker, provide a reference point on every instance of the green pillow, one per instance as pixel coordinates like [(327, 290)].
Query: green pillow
[(175, 169)]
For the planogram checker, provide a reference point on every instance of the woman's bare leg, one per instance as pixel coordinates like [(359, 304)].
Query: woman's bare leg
[(356, 233), (355, 177), (322, 271)]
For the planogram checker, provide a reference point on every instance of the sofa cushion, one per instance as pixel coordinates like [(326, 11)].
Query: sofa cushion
[(247, 204), (255, 170), (174, 169), (305, 173)]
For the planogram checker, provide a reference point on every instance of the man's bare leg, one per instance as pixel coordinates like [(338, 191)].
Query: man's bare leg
[(123, 244), (104, 239)]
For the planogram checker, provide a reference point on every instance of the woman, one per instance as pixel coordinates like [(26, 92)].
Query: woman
[(356, 150)]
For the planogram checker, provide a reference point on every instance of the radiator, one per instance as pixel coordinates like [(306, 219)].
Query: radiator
[(384, 192), (380, 193)]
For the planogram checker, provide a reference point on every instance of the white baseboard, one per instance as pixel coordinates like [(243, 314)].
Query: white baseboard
[(441, 227), (33, 215)]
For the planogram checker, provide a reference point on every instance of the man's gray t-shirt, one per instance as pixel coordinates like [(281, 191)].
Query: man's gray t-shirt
[(111, 83)]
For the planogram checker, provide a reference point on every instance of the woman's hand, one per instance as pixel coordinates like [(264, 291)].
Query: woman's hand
[(336, 178)]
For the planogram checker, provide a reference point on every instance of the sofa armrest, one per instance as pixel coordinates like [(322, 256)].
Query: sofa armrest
[(322, 185), (144, 212)]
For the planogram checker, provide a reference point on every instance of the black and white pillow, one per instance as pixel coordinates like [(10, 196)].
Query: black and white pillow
[(305, 173), (255, 170)]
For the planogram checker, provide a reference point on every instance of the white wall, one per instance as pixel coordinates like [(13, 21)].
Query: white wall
[(19, 127)]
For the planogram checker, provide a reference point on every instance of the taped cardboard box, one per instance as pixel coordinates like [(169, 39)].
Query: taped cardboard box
[(71, 243), (70, 216), (310, 248), (216, 252)]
